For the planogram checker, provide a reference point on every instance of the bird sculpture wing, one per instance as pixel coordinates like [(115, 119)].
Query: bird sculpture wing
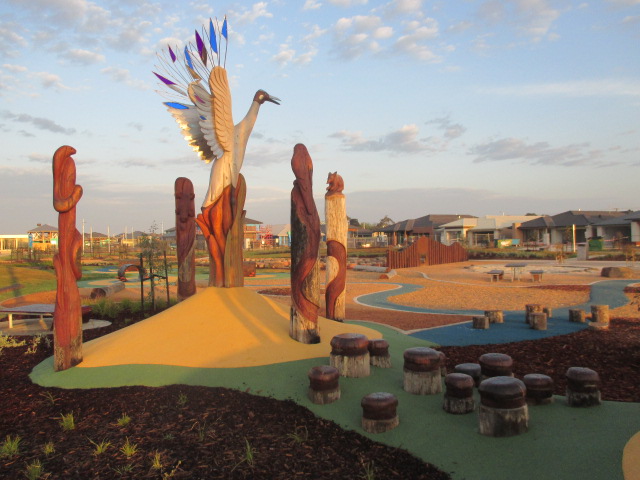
[(189, 119), (221, 108)]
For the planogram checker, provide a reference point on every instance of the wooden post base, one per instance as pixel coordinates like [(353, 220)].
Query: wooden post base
[(458, 406), (379, 412), (422, 383), (577, 315), (379, 426), (351, 366), (323, 397), (494, 316), (481, 323), (381, 361), (503, 422)]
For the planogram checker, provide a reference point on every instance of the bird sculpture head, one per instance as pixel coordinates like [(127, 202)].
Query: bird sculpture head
[(261, 96)]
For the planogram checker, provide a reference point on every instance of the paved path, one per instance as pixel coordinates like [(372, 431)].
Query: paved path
[(514, 329)]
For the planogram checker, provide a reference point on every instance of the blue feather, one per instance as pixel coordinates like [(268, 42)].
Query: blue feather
[(188, 57), (212, 37), (176, 105)]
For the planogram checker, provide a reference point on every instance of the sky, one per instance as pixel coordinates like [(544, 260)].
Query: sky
[(481, 107)]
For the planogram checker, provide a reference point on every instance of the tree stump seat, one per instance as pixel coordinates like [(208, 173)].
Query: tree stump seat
[(538, 320), (494, 316), (324, 384), (421, 371), (529, 309), (577, 315), (458, 396), (379, 412), (496, 365), (443, 364), (539, 389), (480, 322), (472, 369), (503, 408), (350, 354), (379, 353), (583, 387), (600, 313)]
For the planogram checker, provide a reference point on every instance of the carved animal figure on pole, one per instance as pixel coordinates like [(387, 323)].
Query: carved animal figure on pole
[(207, 125), (336, 221), (185, 237), (67, 316), (305, 244)]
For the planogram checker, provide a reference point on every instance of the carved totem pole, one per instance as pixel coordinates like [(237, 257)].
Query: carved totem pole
[(185, 237), (207, 124), (305, 244), (67, 316), (336, 220)]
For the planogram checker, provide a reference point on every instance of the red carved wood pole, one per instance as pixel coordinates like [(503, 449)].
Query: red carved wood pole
[(336, 221), (67, 317), (185, 237), (305, 244), (222, 223)]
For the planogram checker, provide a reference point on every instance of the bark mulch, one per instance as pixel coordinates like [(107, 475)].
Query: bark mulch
[(195, 432)]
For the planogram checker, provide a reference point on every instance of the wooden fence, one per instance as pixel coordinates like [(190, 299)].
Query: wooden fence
[(425, 251)]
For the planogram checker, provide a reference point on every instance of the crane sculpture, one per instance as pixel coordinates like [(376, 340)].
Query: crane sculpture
[(205, 118)]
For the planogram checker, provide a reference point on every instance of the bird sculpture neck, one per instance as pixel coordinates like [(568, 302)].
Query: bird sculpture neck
[(242, 133)]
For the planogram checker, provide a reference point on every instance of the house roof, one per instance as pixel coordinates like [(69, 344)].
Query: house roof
[(251, 221), (424, 224), (498, 222), (624, 220), (43, 228), (579, 218)]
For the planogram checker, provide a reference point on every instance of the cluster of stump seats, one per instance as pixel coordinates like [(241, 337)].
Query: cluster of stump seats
[(504, 399), (537, 315), (497, 275)]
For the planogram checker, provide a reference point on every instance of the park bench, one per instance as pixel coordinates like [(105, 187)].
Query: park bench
[(39, 310), (496, 275), (536, 275)]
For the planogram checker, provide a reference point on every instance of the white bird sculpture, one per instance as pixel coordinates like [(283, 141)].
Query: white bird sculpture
[(207, 122)]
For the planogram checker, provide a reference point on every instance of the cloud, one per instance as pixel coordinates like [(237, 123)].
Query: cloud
[(355, 36), (625, 3), (14, 68), (10, 39), (347, 3), (39, 158), (257, 11), (122, 75), (540, 153), (311, 5), (584, 88), (451, 130), (403, 140), (50, 80), (413, 42), (83, 57), (403, 7), (38, 122), (288, 55), (531, 18)]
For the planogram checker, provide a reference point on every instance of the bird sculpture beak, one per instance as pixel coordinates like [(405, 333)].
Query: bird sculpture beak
[(275, 100)]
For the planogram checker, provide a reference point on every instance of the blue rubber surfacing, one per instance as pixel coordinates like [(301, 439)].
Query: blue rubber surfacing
[(514, 328)]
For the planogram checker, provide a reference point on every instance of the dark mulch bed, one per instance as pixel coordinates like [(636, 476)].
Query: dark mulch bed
[(198, 432), (613, 353)]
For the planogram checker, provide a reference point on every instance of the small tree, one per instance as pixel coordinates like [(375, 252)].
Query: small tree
[(385, 222)]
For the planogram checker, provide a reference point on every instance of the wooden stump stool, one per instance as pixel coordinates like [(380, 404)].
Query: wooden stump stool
[(458, 395), (577, 315), (538, 320), (323, 384), (494, 316), (480, 323), (350, 354), (503, 409), (529, 309), (496, 365), (472, 369), (583, 387), (379, 412), (600, 313), (539, 388), (422, 371), (379, 353), (548, 311)]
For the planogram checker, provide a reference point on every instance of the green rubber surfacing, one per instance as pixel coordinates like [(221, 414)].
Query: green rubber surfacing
[(562, 442)]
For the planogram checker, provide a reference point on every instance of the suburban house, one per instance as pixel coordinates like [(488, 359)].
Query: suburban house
[(43, 236), (426, 226), (484, 231), (567, 227), (619, 230)]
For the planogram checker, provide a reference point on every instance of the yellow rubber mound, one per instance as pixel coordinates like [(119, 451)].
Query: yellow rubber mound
[(216, 328), (631, 459)]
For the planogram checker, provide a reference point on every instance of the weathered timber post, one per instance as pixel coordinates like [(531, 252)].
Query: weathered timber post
[(305, 244), (336, 219), (67, 316), (185, 237)]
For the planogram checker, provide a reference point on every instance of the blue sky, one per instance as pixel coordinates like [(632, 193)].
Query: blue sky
[(467, 106)]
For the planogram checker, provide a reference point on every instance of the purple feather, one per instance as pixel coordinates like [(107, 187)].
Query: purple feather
[(173, 55), (202, 50), (165, 80)]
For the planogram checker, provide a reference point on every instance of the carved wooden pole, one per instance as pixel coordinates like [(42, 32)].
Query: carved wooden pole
[(222, 223), (305, 244), (185, 237), (67, 317), (336, 220)]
